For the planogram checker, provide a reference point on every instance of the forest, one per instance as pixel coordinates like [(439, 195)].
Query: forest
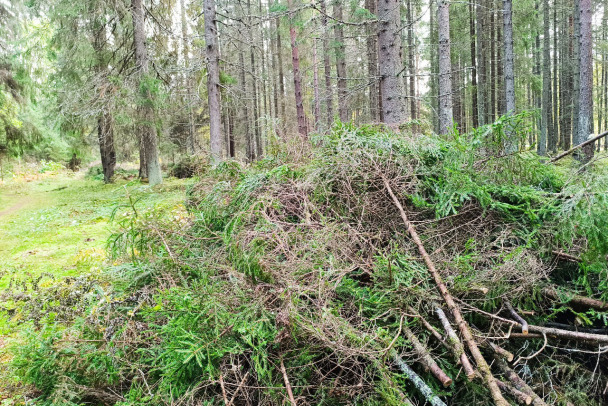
[(303, 202)]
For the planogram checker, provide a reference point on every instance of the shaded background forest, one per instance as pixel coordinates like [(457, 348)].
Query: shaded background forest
[(70, 79)]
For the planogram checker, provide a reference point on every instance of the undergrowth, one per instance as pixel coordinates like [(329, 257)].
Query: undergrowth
[(303, 273)]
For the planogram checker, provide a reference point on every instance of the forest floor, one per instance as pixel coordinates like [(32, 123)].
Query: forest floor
[(59, 223), (56, 225)]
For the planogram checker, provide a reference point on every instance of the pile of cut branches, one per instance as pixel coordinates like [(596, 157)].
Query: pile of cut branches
[(386, 270)]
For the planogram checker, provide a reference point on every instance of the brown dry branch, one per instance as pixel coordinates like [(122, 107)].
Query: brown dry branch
[(517, 317), (426, 359), (499, 400), (498, 350), (287, 384), (581, 145)]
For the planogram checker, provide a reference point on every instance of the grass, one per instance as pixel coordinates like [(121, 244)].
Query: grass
[(61, 222), (57, 224)]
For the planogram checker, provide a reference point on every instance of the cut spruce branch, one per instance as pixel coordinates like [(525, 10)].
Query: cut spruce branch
[(457, 346), (517, 317), (498, 350), (522, 398), (517, 382), (482, 365), (429, 327), (576, 299), (426, 359), (426, 391), (550, 332), (582, 144)]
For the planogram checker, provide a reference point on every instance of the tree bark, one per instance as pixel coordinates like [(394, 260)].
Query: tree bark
[(190, 144), (213, 82), (105, 134), (576, 79), (317, 102), (281, 75), (547, 105), (445, 68), (146, 127), (472, 33), (411, 45), (481, 84), (585, 114), (329, 98), (509, 70), (389, 44), (105, 130), (372, 61), (340, 51), (297, 78)]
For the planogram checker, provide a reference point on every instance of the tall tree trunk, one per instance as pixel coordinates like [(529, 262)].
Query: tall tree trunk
[(244, 123), (457, 107), (389, 44), (317, 102), (146, 127), (213, 82), (445, 68), (297, 78), (493, 76), (275, 69), (565, 88), (604, 88), (434, 86), (556, 123), (329, 98), (509, 70), (411, 61), (105, 130), (281, 75), (585, 115), (186, 56), (500, 75), (481, 84), (257, 139), (576, 70), (341, 63), (541, 142), (372, 61), (547, 117), (475, 112)]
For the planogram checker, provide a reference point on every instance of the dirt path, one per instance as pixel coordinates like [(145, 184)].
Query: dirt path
[(16, 207)]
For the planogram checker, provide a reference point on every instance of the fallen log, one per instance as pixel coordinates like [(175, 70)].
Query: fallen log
[(576, 299), (456, 344), (426, 359), (426, 391), (482, 365), (582, 144)]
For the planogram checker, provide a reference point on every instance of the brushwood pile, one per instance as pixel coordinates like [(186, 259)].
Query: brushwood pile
[(309, 281)]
